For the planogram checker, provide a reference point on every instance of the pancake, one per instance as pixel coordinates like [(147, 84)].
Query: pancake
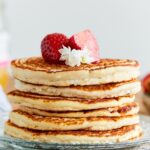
[(88, 92), (80, 137), (35, 70), (35, 122), (63, 103), (124, 110)]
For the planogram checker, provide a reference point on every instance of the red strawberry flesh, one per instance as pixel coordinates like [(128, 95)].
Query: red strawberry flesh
[(146, 84), (85, 39)]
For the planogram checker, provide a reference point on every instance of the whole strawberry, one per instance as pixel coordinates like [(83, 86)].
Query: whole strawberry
[(50, 46), (146, 84)]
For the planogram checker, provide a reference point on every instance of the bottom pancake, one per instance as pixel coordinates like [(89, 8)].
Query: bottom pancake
[(35, 122), (123, 110), (83, 136)]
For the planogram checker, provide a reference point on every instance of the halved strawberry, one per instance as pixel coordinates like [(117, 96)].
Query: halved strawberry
[(50, 46), (85, 39), (146, 83)]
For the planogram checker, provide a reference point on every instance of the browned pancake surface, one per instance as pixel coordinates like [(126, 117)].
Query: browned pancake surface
[(38, 64), (119, 131), (57, 98), (119, 109), (68, 121), (100, 87)]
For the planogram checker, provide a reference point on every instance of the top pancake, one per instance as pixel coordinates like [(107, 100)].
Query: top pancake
[(35, 70)]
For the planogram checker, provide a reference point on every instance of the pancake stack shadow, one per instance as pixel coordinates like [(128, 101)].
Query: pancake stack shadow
[(92, 103)]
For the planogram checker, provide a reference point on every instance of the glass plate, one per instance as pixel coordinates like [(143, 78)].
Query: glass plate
[(10, 143)]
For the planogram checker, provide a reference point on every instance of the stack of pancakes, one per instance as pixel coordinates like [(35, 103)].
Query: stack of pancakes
[(92, 103)]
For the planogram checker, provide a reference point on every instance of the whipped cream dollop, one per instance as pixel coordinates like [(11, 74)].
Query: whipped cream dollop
[(73, 57)]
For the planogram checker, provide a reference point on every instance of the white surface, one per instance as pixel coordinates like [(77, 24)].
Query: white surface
[(4, 104), (122, 27)]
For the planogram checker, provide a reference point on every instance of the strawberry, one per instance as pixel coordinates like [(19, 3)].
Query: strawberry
[(50, 46), (85, 39), (146, 83)]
